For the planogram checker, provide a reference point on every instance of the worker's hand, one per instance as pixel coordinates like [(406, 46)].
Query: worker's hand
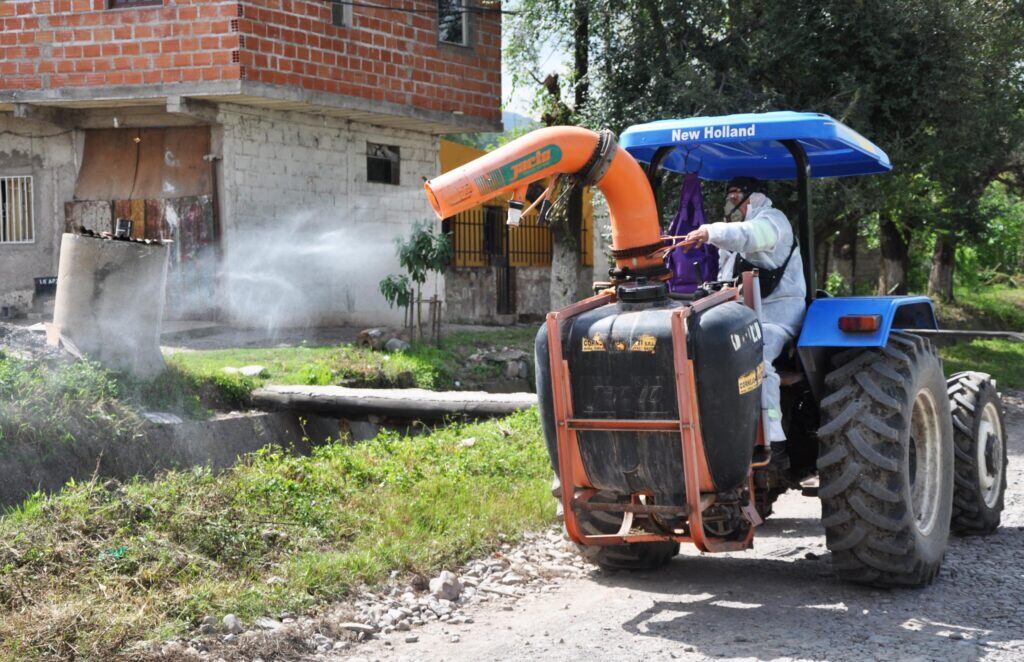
[(696, 239)]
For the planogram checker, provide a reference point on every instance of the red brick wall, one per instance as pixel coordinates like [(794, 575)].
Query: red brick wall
[(47, 44), (384, 56)]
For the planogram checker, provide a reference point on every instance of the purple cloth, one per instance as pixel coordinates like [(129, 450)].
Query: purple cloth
[(686, 274)]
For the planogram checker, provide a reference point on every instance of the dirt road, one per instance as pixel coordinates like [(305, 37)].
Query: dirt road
[(778, 601)]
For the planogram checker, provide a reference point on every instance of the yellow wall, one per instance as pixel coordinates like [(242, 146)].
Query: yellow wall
[(453, 155)]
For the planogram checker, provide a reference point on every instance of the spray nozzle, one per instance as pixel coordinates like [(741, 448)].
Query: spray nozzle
[(515, 213)]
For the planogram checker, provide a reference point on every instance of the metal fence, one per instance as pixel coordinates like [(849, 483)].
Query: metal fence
[(481, 238)]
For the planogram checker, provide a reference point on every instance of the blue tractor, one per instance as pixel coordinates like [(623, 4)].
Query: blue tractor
[(650, 399)]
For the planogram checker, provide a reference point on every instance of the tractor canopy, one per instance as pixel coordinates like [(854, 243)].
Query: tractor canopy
[(751, 144)]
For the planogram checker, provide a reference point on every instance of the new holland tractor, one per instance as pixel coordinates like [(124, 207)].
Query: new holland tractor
[(650, 400)]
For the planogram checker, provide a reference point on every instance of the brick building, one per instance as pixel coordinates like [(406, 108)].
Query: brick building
[(282, 144)]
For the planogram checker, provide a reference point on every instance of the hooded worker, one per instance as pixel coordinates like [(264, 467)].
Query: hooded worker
[(755, 235)]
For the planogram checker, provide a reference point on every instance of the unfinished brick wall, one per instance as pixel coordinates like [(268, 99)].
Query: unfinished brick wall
[(383, 56), (47, 44)]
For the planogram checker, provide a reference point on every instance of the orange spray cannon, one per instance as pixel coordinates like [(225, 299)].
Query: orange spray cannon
[(589, 158)]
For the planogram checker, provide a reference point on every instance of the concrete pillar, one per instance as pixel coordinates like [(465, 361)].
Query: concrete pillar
[(110, 301)]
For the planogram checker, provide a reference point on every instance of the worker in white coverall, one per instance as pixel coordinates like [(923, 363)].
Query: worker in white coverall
[(756, 235)]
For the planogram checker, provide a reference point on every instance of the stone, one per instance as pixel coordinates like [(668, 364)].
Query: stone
[(397, 345), (266, 623), (372, 338), (411, 639), (446, 586), (468, 442), (253, 371), (231, 624), (358, 627)]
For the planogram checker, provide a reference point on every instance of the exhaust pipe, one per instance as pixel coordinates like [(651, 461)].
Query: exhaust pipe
[(593, 158)]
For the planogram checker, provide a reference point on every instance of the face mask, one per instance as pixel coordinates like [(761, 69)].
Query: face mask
[(732, 209)]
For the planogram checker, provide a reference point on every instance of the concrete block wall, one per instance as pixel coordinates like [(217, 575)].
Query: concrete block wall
[(306, 238), (51, 155)]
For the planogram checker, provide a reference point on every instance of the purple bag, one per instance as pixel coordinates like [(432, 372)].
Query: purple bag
[(690, 268)]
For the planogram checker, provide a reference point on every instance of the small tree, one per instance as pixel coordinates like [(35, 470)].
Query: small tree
[(427, 250)]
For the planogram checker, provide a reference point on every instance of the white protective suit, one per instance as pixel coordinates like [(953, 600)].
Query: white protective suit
[(765, 238)]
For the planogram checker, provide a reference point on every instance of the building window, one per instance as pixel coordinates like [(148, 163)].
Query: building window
[(451, 22), (118, 4), (341, 13), (382, 163), (16, 222)]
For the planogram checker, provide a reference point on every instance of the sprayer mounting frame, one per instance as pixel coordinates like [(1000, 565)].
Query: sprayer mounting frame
[(699, 487)]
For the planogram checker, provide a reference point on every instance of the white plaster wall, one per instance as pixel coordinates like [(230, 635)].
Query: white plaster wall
[(306, 238), (52, 156)]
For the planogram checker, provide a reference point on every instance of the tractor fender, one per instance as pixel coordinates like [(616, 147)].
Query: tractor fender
[(820, 336)]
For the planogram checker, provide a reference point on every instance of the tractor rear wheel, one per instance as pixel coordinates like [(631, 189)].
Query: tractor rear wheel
[(886, 463), (980, 446), (632, 556)]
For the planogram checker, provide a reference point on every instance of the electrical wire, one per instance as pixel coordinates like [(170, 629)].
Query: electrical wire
[(421, 10)]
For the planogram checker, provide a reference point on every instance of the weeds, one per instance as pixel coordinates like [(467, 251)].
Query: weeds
[(86, 572)]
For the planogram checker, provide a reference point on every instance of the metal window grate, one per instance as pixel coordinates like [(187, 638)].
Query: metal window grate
[(480, 238), (17, 224)]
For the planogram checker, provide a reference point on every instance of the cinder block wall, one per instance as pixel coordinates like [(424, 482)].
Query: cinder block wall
[(306, 238), (51, 156)]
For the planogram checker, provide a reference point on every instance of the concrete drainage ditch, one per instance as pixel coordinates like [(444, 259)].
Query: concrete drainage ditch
[(168, 442)]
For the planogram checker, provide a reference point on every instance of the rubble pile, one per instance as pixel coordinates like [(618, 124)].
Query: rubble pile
[(516, 362), (392, 614), (28, 344)]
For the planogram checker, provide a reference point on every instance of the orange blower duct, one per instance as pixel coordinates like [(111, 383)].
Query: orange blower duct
[(594, 158)]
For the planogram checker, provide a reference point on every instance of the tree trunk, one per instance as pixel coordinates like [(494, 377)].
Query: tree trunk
[(892, 279), (844, 255), (940, 278), (565, 255), (565, 237)]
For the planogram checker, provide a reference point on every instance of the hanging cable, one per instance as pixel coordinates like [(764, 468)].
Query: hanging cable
[(421, 10)]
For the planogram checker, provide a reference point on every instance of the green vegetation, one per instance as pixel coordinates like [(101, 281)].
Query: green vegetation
[(423, 366), (1003, 359), (994, 308), (98, 566), (55, 402)]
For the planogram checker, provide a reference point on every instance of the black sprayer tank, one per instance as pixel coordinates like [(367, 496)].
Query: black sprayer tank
[(621, 367)]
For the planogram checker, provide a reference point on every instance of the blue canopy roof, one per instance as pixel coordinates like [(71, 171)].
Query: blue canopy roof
[(719, 148)]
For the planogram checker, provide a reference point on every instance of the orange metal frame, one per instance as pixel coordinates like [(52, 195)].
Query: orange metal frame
[(576, 486)]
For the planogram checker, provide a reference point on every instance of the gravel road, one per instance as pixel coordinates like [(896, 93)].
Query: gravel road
[(778, 601)]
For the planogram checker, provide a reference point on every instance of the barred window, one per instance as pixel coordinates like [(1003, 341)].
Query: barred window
[(451, 22), (17, 225)]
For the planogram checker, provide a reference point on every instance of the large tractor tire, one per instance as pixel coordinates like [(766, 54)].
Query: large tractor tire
[(980, 445), (886, 463), (633, 556)]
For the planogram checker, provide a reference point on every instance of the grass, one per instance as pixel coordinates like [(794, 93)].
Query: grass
[(422, 366), (48, 403), (992, 308), (88, 571), (1003, 359)]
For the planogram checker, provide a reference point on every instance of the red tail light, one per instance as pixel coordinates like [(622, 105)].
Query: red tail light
[(860, 323)]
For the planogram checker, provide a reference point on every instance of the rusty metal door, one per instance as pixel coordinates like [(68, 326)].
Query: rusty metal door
[(160, 179)]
